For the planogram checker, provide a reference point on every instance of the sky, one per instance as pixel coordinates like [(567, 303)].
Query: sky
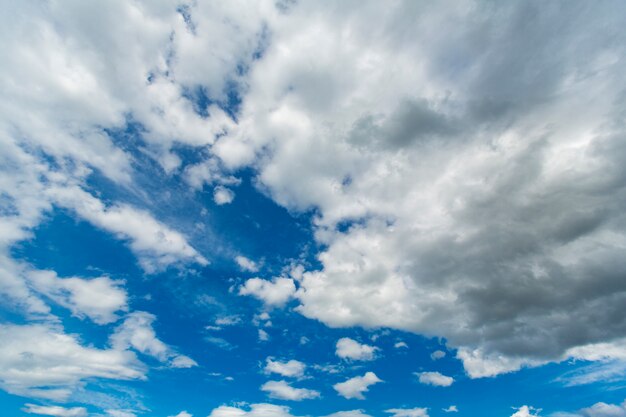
[(312, 208)]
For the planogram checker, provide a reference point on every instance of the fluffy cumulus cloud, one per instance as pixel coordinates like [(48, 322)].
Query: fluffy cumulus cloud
[(282, 390), (291, 368), (350, 349), (274, 293), (355, 387), (97, 298), (477, 208), (54, 410), (435, 378), (600, 409)]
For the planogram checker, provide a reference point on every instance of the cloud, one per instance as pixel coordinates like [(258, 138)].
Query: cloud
[(255, 410), (228, 320), (355, 387), (97, 298), (156, 245), (435, 378), (271, 410), (600, 409), (182, 414), (347, 348), (438, 354), (399, 345), (222, 195), (446, 197), (41, 361), (526, 411), (136, 332), (274, 293), (351, 413), (291, 368), (408, 412), (263, 335), (53, 410), (246, 264), (120, 413), (283, 391), (451, 409)]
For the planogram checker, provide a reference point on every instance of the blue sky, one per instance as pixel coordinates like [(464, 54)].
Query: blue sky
[(325, 209)]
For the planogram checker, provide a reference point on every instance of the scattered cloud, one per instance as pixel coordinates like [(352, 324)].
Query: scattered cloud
[(438, 354), (451, 409), (41, 361), (282, 390), (54, 410), (435, 378), (274, 293), (97, 298), (408, 412), (355, 387), (136, 331), (246, 264), (350, 349), (526, 411), (223, 195), (291, 368)]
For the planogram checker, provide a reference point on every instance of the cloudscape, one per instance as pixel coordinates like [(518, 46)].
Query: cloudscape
[(292, 208)]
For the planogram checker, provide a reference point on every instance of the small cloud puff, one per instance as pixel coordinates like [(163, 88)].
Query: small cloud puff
[(435, 379), (351, 349), (408, 412), (283, 391), (223, 195), (355, 387), (292, 368)]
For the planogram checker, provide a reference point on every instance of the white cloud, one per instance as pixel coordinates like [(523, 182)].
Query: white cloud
[(465, 192), (283, 391), (136, 332), (223, 195), (291, 368), (351, 413), (97, 298), (182, 414), (526, 411), (263, 335), (271, 410), (355, 387), (435, 378), (347, 348), (255, 410), (274, 293), (246, 264), (53, 410), (41, 361), (408, 412), (438, 354), (399, 345), (451, 409), (120, 413), (228, 320), (600, 409), (156, 245)]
